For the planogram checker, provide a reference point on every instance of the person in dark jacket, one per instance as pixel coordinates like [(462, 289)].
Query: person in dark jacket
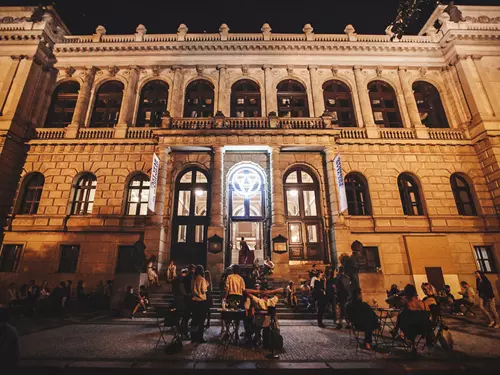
[(9, 343), (487, 299), (181, 298), (319, 295), (362, 317), (342, 285), (331, 294)]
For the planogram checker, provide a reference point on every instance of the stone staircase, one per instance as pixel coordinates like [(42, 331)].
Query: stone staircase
[(161, 298)]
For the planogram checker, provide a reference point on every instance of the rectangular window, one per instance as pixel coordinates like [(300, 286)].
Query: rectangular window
[(484, 258), (310, 203), (184, 202), (69, 258), (125, 261), (238, 204), (199, 233), (182, 233), (9, 258), (312, 233), (369, 261), (200, 202), (255, 203), (292, 202), (295, 233)]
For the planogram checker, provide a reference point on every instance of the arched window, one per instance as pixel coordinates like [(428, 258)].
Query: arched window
[(138, 195), (153, 104), (429, 105), (292, 99), (303, 214), (384, 105), (358, 198), (62, 105), (83, 199), (338, 101), (107, 105), (463, 195), (32, 193), (410, 195), (191, 217), (199, 101), (245, 99)]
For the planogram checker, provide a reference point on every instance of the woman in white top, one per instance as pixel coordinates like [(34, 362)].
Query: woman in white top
[(152, 274)]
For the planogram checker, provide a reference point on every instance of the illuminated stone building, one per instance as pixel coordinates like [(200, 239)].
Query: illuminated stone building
[(246, 127)]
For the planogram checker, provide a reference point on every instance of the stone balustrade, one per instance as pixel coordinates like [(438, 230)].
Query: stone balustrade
[(220, 123)]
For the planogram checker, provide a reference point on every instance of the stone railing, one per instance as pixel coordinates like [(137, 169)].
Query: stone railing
[(95, 133), (193, 123), (301, 123), (246, 123), (49, 133), (398, 133), (139, 133), (446, 134), (353, 133)]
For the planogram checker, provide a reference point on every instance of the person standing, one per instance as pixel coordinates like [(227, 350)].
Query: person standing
[(487, 299), (331, 294), (199, 300), (342, 285), (210, 300), (319, 295), (180, 299), (171, 272)]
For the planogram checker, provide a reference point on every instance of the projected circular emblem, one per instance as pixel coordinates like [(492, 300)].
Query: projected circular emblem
[(246, 182)]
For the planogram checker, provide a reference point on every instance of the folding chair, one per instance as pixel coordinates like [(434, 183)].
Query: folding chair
[(416, 326), (169, 319)]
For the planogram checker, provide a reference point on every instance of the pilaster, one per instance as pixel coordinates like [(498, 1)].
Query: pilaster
[(126, 111), (270, 99), (317, 93), (223, 104), (177, 92), (215, 262), (334, 217), (411, 105), (364, 101), (82, 103), (6, 87)]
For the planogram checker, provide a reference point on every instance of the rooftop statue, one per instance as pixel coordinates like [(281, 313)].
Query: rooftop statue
[(454, 12)]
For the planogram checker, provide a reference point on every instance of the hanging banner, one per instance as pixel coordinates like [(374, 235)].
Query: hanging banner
[(337, 164), (155, 169)]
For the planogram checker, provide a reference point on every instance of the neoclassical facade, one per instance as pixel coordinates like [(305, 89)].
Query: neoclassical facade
[(246, 128)]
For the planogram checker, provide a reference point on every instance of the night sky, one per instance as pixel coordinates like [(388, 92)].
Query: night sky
[(164, 16)]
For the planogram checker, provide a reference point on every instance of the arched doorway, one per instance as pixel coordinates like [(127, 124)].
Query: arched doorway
[(191, 217), (246, 210)]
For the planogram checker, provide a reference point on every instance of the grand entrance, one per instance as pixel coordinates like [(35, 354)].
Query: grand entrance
[(246, 206), (191, 218)]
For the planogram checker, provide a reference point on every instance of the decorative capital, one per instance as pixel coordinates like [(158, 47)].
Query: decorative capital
[(112, 70), (69, 71), (267, 67), (312, 67), (156, 70), (176, 68), (221, 67)]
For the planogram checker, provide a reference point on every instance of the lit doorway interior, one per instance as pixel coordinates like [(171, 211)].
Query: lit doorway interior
[(246, 210)]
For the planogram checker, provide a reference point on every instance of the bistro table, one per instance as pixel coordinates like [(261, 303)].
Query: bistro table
[(388, 319)]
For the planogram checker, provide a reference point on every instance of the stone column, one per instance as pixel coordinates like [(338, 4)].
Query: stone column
[(128, 104), (333, 203), (43, 100), (411, 104), (278, 211), (270, 99), (177, 92), (459, 117), (215, 262), (316, 91), (364, 101), (82, 103), (223, 104)]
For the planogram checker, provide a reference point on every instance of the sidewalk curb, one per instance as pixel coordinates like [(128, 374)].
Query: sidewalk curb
[(382, 367)]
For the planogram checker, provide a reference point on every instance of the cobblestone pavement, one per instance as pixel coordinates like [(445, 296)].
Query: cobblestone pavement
[(302, 342)]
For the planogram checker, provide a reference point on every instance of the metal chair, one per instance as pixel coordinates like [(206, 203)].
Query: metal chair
[(170, 318)]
